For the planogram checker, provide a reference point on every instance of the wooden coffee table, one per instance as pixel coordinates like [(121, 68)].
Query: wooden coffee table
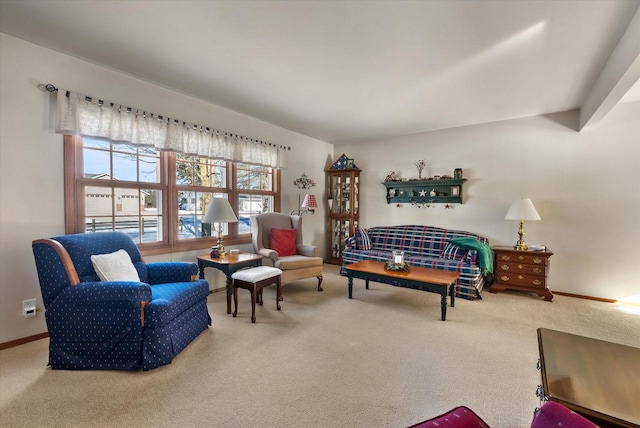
[(418, 278), (597, 379)]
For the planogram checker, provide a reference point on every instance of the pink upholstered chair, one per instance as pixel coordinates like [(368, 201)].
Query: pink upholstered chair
[(459, 417), (553, 414), (305, 263), (550, 415)]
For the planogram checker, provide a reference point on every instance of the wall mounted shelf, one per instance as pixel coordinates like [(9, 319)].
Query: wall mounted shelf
[(448, 191)]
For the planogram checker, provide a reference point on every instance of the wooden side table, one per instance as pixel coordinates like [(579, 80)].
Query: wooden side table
[(595, 378), (521, 270), (228, 265)]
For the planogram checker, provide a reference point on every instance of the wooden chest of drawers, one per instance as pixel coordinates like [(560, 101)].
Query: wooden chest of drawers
[(521, 270)]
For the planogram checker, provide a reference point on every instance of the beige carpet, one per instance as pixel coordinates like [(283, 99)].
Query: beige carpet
[(382, 359)]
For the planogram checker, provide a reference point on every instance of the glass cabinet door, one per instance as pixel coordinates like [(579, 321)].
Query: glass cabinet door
[(356, 191), (343, 195), (340, 231), (344, 191)]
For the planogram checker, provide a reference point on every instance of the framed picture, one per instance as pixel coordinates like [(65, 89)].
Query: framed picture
[(350, 163), (455, 190)]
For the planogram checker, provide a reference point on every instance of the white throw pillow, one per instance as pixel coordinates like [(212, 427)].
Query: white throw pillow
[(115, 267)]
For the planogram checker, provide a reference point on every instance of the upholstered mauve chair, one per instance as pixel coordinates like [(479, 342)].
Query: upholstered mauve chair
[(142, 320), (305, 263), (550, 415)]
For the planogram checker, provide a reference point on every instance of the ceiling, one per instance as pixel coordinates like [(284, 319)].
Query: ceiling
[(344, 71)]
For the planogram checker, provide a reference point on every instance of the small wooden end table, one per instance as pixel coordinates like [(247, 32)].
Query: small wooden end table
[(228, 265), (419, 278), (522, 270), (599, 380)]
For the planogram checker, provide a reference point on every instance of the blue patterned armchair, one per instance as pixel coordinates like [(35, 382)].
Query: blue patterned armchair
[(121, 325)]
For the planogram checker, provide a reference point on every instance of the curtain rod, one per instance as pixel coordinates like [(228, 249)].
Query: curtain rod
[(51, 88)]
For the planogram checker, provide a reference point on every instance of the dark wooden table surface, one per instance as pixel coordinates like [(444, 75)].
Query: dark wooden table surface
[(228, 264), (598, 379)]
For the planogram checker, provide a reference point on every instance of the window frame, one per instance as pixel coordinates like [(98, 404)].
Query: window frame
[(75, 210)]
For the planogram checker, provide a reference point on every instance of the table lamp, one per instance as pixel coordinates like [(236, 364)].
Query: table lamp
[(522, 209), (309, 203), (219, 211)]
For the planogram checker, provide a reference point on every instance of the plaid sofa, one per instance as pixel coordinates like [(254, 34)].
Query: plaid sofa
[(425, 246)]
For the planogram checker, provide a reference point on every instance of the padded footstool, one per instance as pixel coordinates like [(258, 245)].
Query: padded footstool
[(254, 280)]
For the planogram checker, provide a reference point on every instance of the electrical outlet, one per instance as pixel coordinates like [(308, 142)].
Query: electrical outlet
[(29, 308)]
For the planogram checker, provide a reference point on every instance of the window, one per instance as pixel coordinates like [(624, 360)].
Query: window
[(121, 190), (196, 181), (255, 193), (159, 198)]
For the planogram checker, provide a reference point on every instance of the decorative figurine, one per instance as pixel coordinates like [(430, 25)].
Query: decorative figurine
[(392, 177)]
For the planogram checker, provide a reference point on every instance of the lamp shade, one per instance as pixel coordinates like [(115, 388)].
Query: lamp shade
[(309, 202), (219, 211), (522, 209)]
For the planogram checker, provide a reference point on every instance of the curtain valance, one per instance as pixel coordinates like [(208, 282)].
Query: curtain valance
[(80, 115)]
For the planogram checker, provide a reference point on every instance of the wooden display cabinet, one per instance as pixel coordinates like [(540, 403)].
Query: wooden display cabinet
[(343, 197)]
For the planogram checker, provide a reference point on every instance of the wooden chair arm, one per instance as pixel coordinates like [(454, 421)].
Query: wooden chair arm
[(142, 305), (65, 258)]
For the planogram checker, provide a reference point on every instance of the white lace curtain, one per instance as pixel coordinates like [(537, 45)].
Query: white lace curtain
[(89, 117)]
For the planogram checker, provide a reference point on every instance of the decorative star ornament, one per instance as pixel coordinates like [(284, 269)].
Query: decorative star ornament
[(423, 193)]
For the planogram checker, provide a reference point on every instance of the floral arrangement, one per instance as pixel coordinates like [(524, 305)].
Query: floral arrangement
[(389, 265), (420, 165)]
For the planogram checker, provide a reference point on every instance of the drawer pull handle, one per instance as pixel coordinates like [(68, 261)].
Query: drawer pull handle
[(537, 260), (520, 266), (504, 267), (506, 258), (504, 278), (520, 257), (520, 277), (537, 270), (537, 282)]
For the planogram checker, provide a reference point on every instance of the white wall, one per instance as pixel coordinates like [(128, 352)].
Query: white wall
[(31, 161), (586, 187)]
